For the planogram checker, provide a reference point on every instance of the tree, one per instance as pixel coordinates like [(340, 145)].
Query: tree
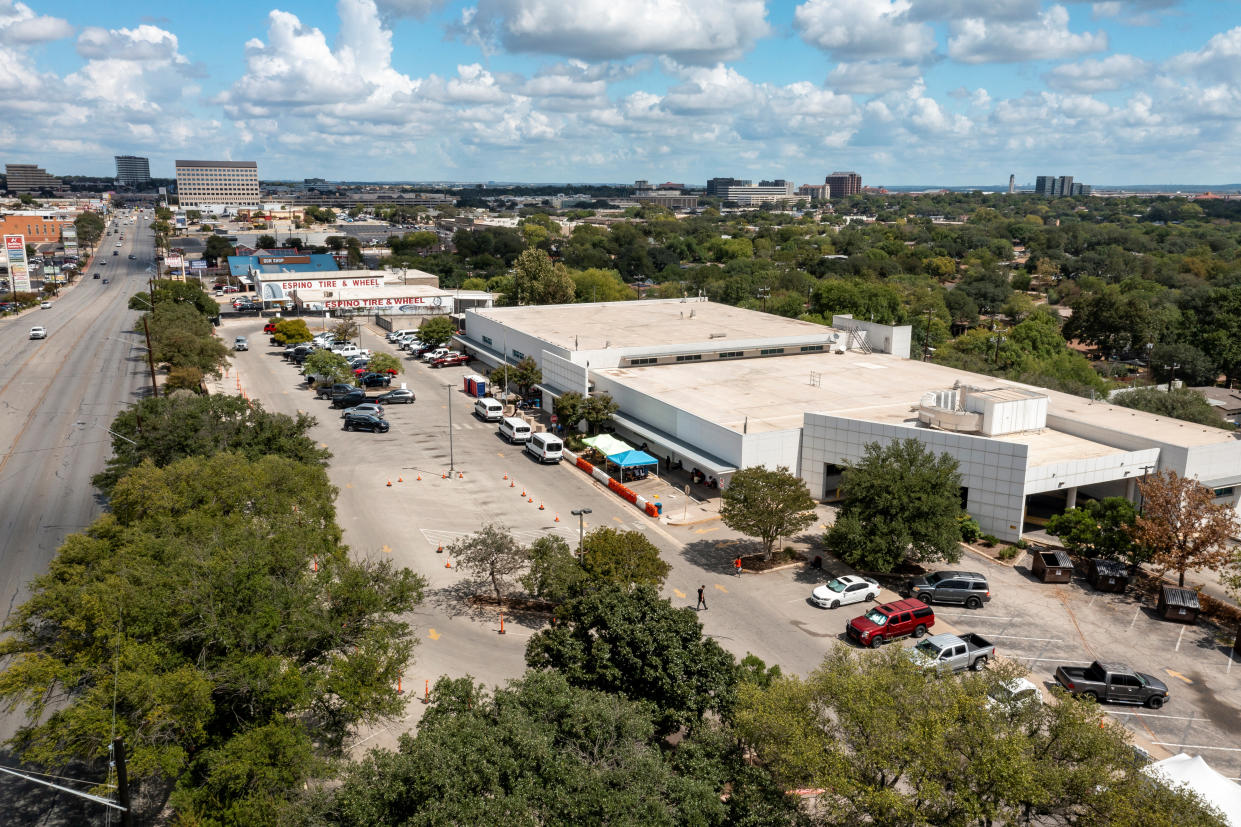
[(215, 612), (1179, 403), (385, 363), (901, 502), (493, 553), (539, 281), (1192, 366), (569, 409), (596, 285), (542, 751), (182, 337), (597, 410), (633, 642), (1100, 528), (1182, 525), (890, 743), (436, 331), (345, 330), (554, 572), (165, 429), (328, 367), (623, 558), (291, 332), (169, 290), (523, 376), (766, 504), (218, 247), (90, 227), (265, 242)]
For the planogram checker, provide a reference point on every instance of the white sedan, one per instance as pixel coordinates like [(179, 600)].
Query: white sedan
[(846, 589)]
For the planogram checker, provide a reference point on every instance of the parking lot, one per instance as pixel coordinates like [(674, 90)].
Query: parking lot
[(463, 469)]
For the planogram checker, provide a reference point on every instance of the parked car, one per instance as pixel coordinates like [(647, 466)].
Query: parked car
[(240, 343), (967, 588), (953, 653), (116, 252), (38, 333), (105, 281), (366, 407), (891, 620), (132, 257), (45, 305), (365, 422), (843, 590), (348, 400), (431, 355), (96, 275), (248, 306), (1113, 682), (270, 327), (396, 396), (329, 391), (1015, 693), (375, 380), (451, 360)]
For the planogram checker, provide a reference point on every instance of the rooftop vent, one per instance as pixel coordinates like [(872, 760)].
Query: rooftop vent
[(719, 335)]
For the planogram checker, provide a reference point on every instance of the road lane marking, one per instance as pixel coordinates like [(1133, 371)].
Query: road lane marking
[(1048, 660), (972, 615), (721, 588), (1173, 674), (1037, 639), (1195, 746), (1169, 717), (1178, 640), (387, 549), (706, 530), (434, 635), (619, 520), (679, 593)]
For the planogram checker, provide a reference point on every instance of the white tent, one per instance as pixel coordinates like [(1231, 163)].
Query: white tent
[(1197, 775)]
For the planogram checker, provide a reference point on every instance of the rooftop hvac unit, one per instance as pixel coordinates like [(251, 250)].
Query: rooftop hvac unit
[(833, 337)]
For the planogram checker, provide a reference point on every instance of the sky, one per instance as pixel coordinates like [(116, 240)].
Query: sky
[(905, 92)]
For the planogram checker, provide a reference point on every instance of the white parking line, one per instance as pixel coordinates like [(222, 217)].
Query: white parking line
[(1196, 746), (1136, 612), (1169, 717), (1178, 639), (972, 615), (1039, 639), (1051, 660)]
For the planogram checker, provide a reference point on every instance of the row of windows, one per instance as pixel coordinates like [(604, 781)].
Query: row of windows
[(770, 351), (724, 354), (487, 341), (690, 357), (517, 354), (643, 361)]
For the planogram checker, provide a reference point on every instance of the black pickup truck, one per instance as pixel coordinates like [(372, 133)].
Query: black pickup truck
[(1114, 683)]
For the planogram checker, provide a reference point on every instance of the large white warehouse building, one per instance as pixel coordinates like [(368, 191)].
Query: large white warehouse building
[(722, 388)]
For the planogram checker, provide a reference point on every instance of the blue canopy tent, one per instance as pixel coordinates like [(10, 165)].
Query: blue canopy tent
[(633, 461)]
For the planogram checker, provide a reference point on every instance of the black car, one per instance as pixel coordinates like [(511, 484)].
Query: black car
[(245, 307), (332, 391), (96, 275), (398, 396), (375, 380), (365, 422), (347, 400)]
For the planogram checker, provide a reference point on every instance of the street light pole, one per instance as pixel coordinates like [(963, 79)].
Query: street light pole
[(581, 513), (451, 466)]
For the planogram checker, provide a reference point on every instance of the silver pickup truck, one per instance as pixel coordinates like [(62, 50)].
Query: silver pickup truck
[(953, 653)]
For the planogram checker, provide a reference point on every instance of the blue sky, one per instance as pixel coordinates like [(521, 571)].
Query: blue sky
[(951, 92)]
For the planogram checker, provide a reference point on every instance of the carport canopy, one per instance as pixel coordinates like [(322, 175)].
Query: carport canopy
[(633, 459), (608, 445)]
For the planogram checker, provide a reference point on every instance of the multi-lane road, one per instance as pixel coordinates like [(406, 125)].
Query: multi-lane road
[(57, 397)]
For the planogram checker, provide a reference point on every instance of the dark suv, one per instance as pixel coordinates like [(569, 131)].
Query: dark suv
[(365, 422), (965, 588), (347, 400), (889, 621)]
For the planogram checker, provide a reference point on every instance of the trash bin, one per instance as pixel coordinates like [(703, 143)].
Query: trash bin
[(659, 509), (818, 562)]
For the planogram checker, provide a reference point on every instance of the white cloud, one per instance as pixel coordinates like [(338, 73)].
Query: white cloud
[(1111, 73), (145, 43), (990, 9), (976, 40), (20, 25), (1219, 61), (700, 32), (417, 9), (872, 77), (863, 29)]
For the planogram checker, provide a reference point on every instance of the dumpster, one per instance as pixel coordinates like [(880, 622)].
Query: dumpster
[(1178, 604), (1053, 566), (1108, 575)]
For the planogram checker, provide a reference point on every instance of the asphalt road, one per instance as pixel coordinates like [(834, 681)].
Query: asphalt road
[(57, 397)]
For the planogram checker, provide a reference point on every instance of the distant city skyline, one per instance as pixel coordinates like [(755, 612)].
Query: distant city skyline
[(946, 92)]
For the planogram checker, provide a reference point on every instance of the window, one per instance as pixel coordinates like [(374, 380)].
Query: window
[(487, 340), (1126, 680), (646, 360), (517, 354), (922, 613), (690, 357), (731, 354), (811, 348), (904, 618), (1225, 492), (771, 351)]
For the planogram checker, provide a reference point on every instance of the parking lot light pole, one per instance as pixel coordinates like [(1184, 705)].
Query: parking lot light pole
[(581, 513), (451, 466)]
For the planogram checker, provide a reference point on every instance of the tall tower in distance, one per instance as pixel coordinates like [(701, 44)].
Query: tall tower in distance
[(1012, 184)]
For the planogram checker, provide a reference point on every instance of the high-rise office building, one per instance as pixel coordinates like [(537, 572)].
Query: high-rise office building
[(714, 185), (844, 183), (1012, 184), (132, 170), (766, 192), (218, 183), (29, 178), (1050, 186)]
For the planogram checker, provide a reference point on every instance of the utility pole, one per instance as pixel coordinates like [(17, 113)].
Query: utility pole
[(122, 781), (150, 356), (451, 466)]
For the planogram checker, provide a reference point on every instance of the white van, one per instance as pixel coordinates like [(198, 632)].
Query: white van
[(514, 429), (545, 448), (489, 410)]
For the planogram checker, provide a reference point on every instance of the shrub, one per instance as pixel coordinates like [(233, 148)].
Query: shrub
[(970, 530), (990, 540), (1006, 553)]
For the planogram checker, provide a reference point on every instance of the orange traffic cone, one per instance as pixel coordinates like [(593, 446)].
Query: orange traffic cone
[(557, 519), (439, 550), (448, 564), (389, 483), (460, 475), (530, 499), (400, 479), (540, 506), (506, 476), (420, 478), (512, 483), (399, 690), (444, 475), (523, 492)]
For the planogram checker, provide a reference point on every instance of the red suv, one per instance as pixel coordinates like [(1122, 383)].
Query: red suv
[(891, 620), (270, 327)]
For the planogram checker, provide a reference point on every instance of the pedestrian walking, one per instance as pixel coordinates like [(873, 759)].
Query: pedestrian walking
[(702, 600), (737, 566)]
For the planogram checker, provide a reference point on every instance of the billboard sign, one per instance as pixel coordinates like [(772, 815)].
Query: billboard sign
[(198, 264), (174, 261), (401, 304), (19, 269)]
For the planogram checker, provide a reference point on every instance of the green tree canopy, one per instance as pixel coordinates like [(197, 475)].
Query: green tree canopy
[(493, 553), (554, 572), (1100, 528), (569, 408), (90, 227), (292, 332), (539, 281), (265, 242), (634, 643), (623, 558), (599, 285), (900, 502), (217, 612), (436, 331), (169, 290), (766, 504), (330, 367), (218, 247), (521, 377), (385, 363), (163, 430), (597, 410), (182, 337), (1179, 403), (890, 743)]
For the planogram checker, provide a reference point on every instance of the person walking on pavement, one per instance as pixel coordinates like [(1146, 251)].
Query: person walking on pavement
[(702, 600), (737, 566)]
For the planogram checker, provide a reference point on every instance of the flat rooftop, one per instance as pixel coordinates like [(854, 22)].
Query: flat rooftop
[(773, 393), (648, 323)]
